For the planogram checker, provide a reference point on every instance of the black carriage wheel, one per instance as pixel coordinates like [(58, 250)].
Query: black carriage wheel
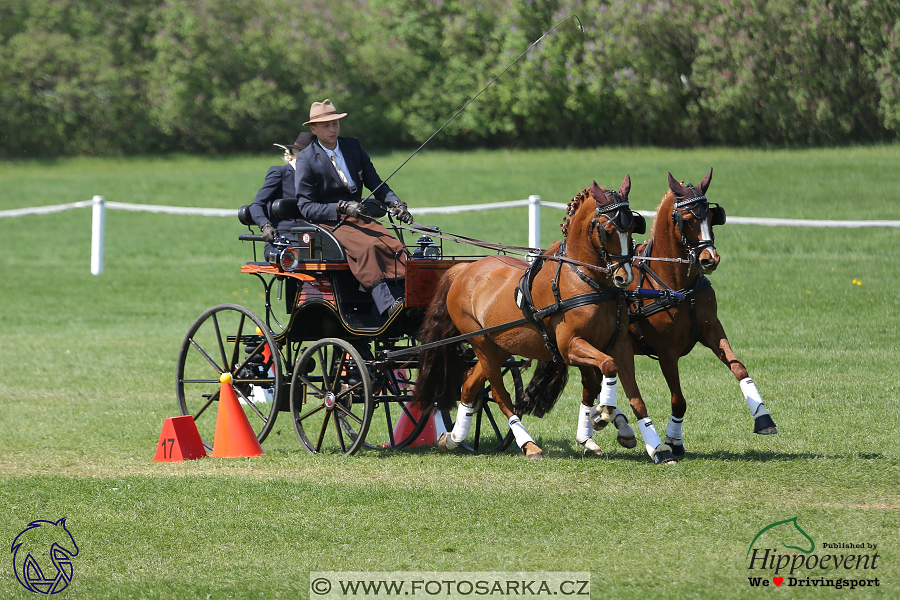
[(228, 338), (396, 384), (392, 395), (331, 398), (490, 430)]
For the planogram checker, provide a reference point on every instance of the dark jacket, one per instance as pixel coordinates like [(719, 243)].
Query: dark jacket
[(279, 184), (319, 188)]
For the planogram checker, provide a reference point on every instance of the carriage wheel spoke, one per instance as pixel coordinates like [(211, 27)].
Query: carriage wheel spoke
[(322, 431), (206, 356)]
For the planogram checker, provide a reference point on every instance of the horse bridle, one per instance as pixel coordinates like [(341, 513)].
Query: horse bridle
[(698, 206), (622, 220)]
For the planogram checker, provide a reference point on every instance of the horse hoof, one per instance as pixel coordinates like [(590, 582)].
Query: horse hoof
[(627, 442), (764, 425), (532, 451), (602, 416), (591, 446), (678, 450), (442, 443), (663, 455)]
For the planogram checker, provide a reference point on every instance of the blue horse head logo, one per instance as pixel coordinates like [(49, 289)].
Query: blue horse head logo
[(787, 530), (42, 556)]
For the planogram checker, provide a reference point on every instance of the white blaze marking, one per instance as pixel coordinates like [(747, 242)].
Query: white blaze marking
[(705, 234), (623, 249)]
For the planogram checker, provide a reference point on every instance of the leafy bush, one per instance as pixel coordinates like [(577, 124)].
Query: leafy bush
[(238, 75)]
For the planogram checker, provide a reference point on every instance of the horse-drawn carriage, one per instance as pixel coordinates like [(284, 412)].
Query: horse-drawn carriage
[(346, 376)]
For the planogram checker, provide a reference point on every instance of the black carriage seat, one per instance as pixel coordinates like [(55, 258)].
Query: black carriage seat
[(314, 243)]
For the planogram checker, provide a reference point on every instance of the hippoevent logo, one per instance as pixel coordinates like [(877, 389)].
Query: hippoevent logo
[(42, 556), (838, 564)]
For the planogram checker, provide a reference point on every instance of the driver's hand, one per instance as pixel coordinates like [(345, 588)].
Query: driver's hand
[(400, 211), (351, 208)]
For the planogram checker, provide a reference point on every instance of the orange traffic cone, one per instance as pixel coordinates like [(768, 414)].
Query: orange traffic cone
[(234, 435), (179, 441), (405, 426)]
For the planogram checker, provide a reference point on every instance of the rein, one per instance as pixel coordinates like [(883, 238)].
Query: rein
[(500, 248)]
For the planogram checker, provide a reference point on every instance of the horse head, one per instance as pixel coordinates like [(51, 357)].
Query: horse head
[(693, 217), (614, 222)]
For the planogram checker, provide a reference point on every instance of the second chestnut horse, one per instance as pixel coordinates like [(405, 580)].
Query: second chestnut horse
[(682, 237)]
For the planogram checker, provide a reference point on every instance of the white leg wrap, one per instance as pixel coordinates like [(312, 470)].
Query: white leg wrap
[(463, 424), (607, 395), (754, 400), (585, 430), (673, 431), (519, 431), (648, 433)]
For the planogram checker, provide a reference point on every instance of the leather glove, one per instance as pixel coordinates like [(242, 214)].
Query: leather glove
[(351, 208), (269, 233), (401, 212)]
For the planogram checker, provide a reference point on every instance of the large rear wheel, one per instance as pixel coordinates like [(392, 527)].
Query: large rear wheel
[(229, 338)]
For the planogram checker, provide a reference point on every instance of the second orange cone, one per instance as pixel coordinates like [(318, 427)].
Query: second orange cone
[(235, 437)]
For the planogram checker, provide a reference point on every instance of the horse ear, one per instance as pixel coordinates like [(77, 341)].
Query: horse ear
[(596, 191), (676, 187), (626, 186), (705, 183)]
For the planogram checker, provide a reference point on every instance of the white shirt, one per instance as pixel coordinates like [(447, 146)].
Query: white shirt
[(339, 158)]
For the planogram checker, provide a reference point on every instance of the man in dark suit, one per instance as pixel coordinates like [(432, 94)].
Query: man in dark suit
[(279, 183), (330, 175)]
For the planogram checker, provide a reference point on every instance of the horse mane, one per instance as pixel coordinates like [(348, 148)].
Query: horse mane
[(571, 208), (669, 196)]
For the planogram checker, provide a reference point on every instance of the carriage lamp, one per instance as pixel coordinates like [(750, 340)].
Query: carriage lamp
[(283, 256), (427, 248), (288, 259)]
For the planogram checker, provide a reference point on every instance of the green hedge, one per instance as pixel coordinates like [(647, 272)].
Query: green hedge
[(89, 77)]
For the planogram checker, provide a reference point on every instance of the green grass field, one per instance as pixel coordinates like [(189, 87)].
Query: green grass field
[(88, 368)]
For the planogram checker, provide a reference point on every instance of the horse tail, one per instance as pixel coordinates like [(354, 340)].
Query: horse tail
[(442, 368), (547, 383)]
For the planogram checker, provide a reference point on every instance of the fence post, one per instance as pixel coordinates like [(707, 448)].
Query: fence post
[(98, 224), (534, 221)]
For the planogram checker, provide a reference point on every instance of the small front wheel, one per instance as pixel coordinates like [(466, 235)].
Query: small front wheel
[(331, 398)]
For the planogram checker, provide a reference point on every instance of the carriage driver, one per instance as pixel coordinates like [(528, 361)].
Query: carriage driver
[(330, 175)]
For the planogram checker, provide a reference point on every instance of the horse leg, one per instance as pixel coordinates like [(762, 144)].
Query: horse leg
[(715, 339), (493, 359), (607, 412), (590, 382), (466, 409), (669, 367), (580, 352), (660, 453)]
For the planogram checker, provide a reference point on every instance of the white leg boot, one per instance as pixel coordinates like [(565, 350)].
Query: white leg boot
[(584, 432)]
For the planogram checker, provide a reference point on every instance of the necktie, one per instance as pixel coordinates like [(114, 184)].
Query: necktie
[(339, 172)]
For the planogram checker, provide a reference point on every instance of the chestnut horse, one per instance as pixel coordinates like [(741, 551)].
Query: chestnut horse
[(667, 329), (495, 291)]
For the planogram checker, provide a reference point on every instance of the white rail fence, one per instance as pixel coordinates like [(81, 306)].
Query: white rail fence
[(99, 205)]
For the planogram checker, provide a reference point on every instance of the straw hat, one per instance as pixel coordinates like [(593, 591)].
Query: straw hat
[(321, 112)]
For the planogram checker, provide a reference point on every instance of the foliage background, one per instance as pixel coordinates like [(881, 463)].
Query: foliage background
[(139, 76)]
